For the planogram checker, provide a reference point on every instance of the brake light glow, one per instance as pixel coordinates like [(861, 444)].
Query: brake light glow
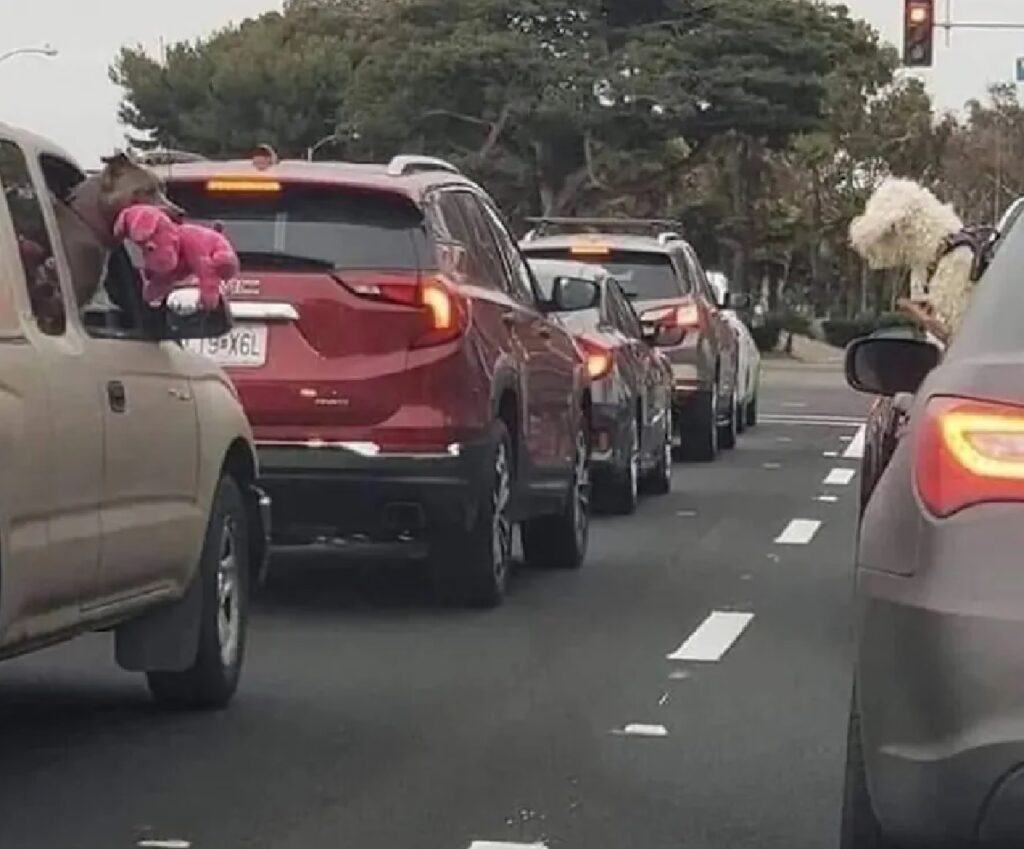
[(969, 453), (230, 185), (685, 315), (444, 311), (599, 359), (589, 249)]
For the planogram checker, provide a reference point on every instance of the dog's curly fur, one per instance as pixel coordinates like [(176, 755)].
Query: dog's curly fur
[(904, 226)]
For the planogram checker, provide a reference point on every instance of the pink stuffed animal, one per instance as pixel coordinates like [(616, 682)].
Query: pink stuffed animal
[(175, 252)]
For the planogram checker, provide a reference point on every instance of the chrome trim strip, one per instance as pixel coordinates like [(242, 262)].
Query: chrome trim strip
[(363, 449), (263, 310)]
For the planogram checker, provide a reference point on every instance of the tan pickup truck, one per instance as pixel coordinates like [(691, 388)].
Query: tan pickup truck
[(128, 498)]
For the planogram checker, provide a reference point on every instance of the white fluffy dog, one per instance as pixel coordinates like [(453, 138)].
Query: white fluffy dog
[(905, 226)]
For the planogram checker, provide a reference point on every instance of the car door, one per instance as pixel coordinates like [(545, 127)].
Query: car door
[(639, 362), (724, 340), (554, 357), (150, 515), (51, 418)]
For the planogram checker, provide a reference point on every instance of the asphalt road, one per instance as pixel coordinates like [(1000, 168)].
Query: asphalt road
[(371, 719)]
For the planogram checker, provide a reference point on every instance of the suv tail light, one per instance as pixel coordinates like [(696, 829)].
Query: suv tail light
[(445, 312), (969, 452), (599, 358), (685, 316)]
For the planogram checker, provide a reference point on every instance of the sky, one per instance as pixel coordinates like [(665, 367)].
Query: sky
[(71, 100)]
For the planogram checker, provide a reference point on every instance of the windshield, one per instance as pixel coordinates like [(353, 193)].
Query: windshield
[(642, 275), (339, 228)]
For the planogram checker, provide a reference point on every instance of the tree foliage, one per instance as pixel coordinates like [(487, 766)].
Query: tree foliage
[(761, 124)]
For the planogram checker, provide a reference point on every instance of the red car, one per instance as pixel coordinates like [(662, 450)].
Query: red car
[(404, 382)]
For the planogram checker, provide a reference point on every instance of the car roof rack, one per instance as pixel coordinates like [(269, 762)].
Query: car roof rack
[(665, 230), (405, 164), (167, 156)]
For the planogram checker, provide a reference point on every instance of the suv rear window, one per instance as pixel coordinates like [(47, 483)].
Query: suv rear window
[(641, 274), (339, 227)]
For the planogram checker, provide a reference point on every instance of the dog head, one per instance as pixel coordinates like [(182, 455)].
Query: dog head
[(903, 226), (124, 183)]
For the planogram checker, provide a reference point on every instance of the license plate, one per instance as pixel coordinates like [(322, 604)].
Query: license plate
[(244, 346)]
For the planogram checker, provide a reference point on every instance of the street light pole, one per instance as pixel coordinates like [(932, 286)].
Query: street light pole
[(46, 50)]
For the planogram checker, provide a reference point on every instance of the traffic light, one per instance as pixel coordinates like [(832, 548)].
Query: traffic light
[(919, 33)]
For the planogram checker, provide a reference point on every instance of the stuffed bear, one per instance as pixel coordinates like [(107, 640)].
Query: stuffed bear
[(175, 252)]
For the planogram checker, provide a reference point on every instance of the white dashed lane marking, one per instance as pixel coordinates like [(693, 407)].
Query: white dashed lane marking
[(840, 477), (855, 450), (714, 637), (164, 844), (798, 532), (639, 729), (828, 499), (499, 844)]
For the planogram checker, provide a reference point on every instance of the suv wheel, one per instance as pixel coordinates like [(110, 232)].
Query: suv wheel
[(224, 570), (727, 429), (472, 565), (560, 541), (625, 494), (660, 480), (859, 828), (700, 430)]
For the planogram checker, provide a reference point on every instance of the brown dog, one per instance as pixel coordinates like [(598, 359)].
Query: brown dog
[(86, 217)]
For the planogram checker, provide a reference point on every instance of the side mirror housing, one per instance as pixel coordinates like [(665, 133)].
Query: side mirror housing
[(736, 301), (888, 365), (574, 294), (662, 336), (183, 319)]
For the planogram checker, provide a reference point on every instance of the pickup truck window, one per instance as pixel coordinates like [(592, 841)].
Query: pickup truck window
[(35, 245)]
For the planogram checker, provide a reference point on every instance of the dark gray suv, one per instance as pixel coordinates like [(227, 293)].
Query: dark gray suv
[(661, 274), (936, 739)]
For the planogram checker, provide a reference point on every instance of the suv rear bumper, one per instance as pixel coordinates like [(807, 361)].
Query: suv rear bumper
[(345, 491), (941, 696)]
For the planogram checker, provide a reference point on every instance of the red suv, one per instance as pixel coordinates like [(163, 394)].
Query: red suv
[(404, 382)]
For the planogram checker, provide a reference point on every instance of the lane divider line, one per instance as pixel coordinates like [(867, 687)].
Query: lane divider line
[(855, 450), (840, 477), (828, 499), (713, 637), (501, 844), (164, 844), (798, 532), (830, 454), (640, 729)]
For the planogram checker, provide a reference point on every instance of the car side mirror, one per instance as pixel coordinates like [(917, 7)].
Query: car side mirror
[(183, 319), (573, 294), (662, 336), (736, 301), (889, 366)]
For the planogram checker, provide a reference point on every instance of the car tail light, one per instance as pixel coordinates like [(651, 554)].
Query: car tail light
[(444, 311), (969, 452), (231, 184), (687, 316), (599, 358)]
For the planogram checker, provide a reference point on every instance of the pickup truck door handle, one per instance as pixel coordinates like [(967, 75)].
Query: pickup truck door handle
[(116, 396), (543, 331), (509, 318)]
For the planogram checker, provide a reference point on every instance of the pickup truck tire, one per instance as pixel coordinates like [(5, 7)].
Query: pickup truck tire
[(212, 679), (471, 566), (560, 541)]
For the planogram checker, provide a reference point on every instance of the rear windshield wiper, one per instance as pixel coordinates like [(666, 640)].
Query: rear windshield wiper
[(278, 259)]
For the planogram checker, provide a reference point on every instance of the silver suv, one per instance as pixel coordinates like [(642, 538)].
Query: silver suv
[(128, 499), (660, 273)]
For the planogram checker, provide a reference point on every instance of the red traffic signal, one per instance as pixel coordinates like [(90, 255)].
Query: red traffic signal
[(919, 33)]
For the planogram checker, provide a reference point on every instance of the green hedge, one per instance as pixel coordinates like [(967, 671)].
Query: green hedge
[(768, 335)]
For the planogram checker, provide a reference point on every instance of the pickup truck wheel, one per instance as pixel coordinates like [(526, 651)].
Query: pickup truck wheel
[(471, 566), (212, 679), (751, 411), (560, 541)]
